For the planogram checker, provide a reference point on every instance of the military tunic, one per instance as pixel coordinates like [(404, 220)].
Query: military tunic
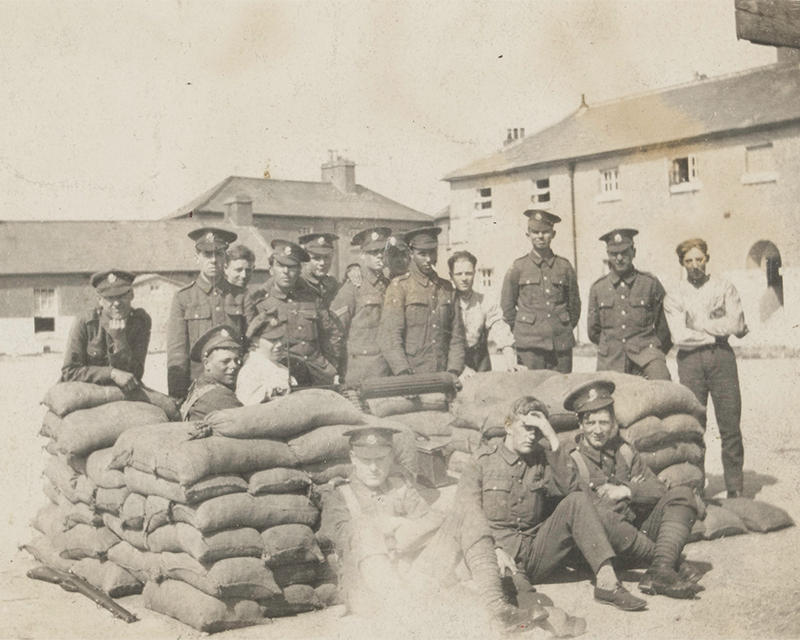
[(196, 309), (359, 312), (313, 337), (541, 303), (421, 328), (92, 352), (207, 395), (326, 288), (626, 321)]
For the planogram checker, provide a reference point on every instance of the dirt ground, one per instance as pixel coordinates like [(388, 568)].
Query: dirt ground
[(753, 590)]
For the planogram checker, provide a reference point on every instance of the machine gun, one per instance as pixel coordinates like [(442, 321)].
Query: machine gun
[(72, 583)]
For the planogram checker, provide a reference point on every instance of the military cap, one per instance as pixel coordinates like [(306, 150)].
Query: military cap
[(396, 242), (267, 325), (112, 283), (539, 220), (220, 337), (371, 440), (590, 396), (372, 239), (424, 238), (288, 253), (619, 239), (212, 239), (318, 243)]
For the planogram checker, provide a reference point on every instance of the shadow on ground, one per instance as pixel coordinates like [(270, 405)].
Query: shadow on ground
[(753, 483)]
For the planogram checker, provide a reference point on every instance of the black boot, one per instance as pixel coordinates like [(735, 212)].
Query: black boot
[(665, 581)]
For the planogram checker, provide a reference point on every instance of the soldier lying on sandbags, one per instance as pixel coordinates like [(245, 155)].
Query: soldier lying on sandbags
[(378, 523), (645, 520)]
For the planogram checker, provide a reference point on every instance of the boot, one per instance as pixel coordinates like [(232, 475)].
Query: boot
[(664, 580)]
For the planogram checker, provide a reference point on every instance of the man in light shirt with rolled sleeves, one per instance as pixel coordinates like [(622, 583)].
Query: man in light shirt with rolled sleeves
[(702, 313)]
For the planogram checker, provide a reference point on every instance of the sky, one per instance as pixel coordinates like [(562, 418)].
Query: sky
[(129, 110)]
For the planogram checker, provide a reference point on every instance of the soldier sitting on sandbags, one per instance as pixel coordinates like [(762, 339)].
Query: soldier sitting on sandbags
[(646, 521)]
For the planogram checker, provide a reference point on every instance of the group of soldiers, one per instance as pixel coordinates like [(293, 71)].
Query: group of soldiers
[(525, 504)]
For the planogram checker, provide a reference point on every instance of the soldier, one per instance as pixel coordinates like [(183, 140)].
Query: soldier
[(421, 329), (540, 300), (220, 353), (108, 344), (398, 256), (263, 377), (482, 317), (207, 302), (240, 262), (512, 482), (626, 314), (315, 272), (359, 308), (645, 520), (703, 312), (313, 339)]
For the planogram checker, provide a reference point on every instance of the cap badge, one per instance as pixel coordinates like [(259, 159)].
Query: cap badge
[(393, 241), (320, 240), (538, 216), (618, 238), (273, 322), (210, 236), (287, 250), (374, 235), (112, 278), (371, 439), (592, 394), (224, 334)]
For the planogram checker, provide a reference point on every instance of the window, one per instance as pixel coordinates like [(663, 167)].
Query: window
[(44, 325), (609, 185), (759, 164), (304, 231), (486, 278), (44, 310), (483, 202), (155, 286), (541, 193), (683, 175)]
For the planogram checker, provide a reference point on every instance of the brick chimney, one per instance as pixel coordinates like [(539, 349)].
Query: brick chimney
[(239, 211), (341, 172), (517, 133)]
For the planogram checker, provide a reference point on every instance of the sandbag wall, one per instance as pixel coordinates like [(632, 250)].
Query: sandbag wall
[(77, 533)]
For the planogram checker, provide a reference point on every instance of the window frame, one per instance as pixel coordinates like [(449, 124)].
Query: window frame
[(609, 195), (537, 192), (692, 182), (482, 206), (758, 177)]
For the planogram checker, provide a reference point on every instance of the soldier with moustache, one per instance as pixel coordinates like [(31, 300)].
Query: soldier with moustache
[(210, 301)]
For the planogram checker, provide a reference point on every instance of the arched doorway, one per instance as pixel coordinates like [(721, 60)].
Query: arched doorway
[(764, 255)]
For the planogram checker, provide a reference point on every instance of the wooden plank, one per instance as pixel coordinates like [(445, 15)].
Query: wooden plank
[(769, 22)]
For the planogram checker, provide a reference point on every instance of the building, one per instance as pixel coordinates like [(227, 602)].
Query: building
[(717, 158)]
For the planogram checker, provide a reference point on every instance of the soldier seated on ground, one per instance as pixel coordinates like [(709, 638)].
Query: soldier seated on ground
[(646, 521), (108, 344), (263, 377), (514, 484), (220, 353)]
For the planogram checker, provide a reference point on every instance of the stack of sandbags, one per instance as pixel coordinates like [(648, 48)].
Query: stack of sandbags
[(82, 424)]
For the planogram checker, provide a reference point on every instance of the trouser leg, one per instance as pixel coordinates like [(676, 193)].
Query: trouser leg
[(625, 539), (670, 524), (560, 361), (727, 398), (477, 358), (573, 523)]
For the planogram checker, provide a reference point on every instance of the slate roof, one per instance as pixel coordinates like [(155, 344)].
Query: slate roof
[(60, 247), (305, 199), (743, 101)]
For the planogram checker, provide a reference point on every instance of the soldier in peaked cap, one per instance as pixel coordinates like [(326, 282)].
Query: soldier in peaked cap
[(359, 308), (398, 256), (626, 317), (315, 274), (108, 344), (645, 520), (421, 329), (312, 339), (220, 353), (208, 302), (540, 299)]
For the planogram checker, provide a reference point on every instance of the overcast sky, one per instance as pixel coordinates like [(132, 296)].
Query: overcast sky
[(130, 110)]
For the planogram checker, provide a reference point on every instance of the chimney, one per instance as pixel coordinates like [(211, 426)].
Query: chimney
[(514, 134), (239, 211), (341, 172), (788, 55)]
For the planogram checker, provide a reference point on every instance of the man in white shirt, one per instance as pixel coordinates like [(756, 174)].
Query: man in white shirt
[(702, 313), (483, 318)]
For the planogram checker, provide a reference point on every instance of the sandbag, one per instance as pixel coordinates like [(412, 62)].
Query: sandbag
[(466, 440), (110, 500), (485, 397), (278, 481), (199, 610), (323, 443), (150, 485), (698, 530), (74, 486), (398, 405), (43, 551), (244, 510), (99, 472), (674, 454), (636, 397), (290, 544), (76, 543), (52, 493), (75, 514), (157, 513), (229, 543), (140, 564), (108, 577), (228, 578), (296, 598), (66, 397), (758, 516), (427, 423), (148, 437), (720, 523), (322, 472), (299, 573), (328, 594), (88, 430), (683, 475), (135, 538), (51, 425), (651, 433), (285, 417), (132, 512), (190, 461), (457, 461)]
